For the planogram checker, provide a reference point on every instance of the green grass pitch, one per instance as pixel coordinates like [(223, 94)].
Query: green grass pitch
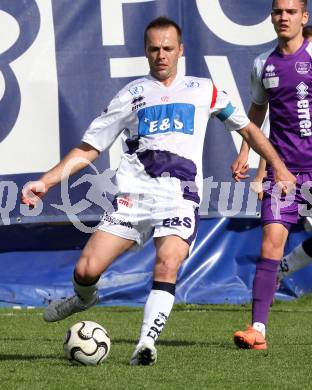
[(195, 350)]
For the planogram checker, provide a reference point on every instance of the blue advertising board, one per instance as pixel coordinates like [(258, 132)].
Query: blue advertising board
[(62, 61)]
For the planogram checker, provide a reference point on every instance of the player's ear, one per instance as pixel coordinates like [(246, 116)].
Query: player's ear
[(181, 50)]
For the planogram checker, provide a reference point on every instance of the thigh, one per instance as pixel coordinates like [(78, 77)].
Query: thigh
[(101, 250), (172, 248)]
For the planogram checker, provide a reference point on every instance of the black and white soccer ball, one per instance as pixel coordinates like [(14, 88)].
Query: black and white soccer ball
[(87, 343)]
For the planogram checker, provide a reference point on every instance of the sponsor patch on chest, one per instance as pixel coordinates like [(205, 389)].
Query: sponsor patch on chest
[(164, 118), (303, 67)]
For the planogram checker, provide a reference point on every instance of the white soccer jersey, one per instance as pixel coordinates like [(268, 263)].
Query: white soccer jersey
[(266, 126), (163, 133)]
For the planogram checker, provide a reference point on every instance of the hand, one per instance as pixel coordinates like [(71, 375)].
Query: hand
[(239, 173), (285, 180), (32, 192), (240, 166), (256, 186)]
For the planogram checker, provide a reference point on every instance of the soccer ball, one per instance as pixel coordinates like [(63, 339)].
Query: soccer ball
[(87, 343)]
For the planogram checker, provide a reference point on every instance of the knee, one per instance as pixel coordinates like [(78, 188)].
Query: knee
[(167, 266), (272, 248), (86, 269)]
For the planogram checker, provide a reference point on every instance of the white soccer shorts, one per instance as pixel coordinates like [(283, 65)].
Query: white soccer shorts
[(139, 217)]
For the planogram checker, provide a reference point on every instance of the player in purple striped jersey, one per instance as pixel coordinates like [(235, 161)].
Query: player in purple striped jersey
[(300, 256), (282, 78), (163, 118)]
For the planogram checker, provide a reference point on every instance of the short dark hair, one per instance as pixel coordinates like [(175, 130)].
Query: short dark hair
[(163, 22), (307, 31), (303, 2)]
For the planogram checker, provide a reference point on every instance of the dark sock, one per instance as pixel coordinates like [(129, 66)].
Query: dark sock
[(164, 286), (90, 283)]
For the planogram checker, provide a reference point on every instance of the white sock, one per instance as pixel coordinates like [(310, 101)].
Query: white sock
[(260, 327), (86, 294), (293, 262), (156, 312)]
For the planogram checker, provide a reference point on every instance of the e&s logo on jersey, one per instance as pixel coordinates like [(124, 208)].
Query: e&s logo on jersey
[(176, 117)]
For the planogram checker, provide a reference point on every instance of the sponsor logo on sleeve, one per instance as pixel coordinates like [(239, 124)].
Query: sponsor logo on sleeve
[(136, 90), (192, 84)]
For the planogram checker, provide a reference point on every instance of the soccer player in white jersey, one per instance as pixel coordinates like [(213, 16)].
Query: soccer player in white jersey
[(281, 80), (163, 118)]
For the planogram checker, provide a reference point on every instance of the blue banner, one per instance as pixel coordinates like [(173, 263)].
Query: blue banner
[(37, 266)]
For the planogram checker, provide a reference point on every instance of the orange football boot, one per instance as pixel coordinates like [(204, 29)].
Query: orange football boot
[(250, 339)]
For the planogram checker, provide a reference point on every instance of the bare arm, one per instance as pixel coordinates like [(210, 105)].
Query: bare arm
[(77, 159), (255, 138), (257, 113), (261, 171), (256, 184), (239, 167)]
